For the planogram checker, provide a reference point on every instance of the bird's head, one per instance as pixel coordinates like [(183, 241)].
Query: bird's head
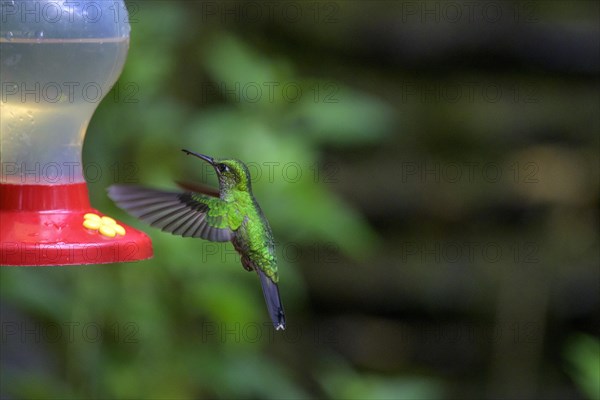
[(232, 173)]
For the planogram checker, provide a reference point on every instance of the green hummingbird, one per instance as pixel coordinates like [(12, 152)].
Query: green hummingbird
[(230, 214)]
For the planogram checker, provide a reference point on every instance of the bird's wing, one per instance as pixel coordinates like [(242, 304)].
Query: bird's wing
[(185, 214), (198, 188)]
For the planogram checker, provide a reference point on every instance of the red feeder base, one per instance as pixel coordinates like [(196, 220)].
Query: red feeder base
[(43, 225)]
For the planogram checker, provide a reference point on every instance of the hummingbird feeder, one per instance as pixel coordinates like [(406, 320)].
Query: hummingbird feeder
[(57, 61)]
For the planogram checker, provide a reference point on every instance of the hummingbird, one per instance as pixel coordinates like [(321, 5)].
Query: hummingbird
[(230, 214)]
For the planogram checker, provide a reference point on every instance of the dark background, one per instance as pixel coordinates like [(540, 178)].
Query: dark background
[(430, 171)]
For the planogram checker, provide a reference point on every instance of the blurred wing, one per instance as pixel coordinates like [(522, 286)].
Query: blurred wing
[(185, 214), (198, 188)]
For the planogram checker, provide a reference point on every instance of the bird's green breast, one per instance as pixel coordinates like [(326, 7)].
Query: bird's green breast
[(253, 233)]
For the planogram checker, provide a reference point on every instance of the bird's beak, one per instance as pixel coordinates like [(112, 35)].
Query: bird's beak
[(202, 156)]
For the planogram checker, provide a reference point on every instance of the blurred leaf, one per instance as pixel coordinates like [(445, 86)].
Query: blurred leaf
[(341, 382), (37, 386), (41, 291), (583, 354), (251, 377), (244, 76), (334, 114), (161, 29)]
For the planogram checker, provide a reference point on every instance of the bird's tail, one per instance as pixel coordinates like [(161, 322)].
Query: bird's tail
[(271, 293)]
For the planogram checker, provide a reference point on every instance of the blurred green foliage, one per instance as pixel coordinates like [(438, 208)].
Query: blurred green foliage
[(583, 353), (367, 319)]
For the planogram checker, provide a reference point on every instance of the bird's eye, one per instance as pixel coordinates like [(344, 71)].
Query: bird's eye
[(223, 168)]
